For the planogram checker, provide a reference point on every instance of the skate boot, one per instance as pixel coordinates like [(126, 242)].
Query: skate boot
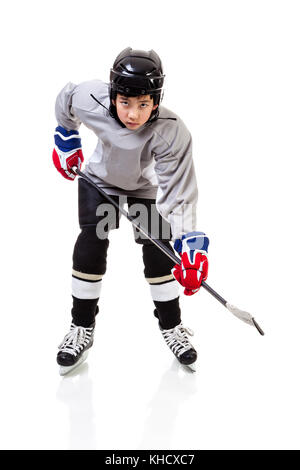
[(74, 348), (178, 341)]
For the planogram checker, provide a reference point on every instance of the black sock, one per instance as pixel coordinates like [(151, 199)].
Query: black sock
[(168, 313), (84, 311)]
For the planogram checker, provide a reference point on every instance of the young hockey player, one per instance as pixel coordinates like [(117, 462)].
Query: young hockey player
[(143, 156)]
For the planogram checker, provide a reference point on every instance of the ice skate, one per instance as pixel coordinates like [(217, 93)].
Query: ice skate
[(178, 341), (75, 347)]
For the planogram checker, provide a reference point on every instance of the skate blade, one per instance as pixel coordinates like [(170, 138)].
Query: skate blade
[(66, 369), (191, 367)]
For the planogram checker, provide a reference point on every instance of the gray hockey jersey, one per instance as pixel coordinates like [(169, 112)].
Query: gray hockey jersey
[(153, 161)]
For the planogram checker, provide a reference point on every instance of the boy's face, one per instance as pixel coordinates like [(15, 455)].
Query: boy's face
[(135, 111)]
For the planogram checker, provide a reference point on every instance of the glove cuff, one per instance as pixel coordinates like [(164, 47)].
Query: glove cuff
[(193, 241), (65, 140)]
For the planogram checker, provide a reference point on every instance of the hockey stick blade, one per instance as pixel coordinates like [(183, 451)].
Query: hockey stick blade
[(244, 316)]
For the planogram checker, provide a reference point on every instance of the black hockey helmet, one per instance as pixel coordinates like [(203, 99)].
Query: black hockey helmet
[(135, 73)]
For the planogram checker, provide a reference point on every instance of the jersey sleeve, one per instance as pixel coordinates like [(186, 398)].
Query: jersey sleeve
[(177, 185), (65, 114)]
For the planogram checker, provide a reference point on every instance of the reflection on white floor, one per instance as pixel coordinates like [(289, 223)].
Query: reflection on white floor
[(153, 402), (177, 385), (75, 391)]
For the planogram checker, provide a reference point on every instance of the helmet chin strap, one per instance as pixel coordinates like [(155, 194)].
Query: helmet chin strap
[(99, 102), (154, 115)]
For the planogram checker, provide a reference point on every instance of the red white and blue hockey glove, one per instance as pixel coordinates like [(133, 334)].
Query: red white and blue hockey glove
[(67, 152), (193, 269)]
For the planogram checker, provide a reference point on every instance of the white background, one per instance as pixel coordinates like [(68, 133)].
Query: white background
[(232, 74)]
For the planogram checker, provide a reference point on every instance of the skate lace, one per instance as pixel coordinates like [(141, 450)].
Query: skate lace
[(77, 338), (177, 339)]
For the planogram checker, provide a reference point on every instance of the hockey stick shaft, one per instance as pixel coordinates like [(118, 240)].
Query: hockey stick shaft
[(158, 243)]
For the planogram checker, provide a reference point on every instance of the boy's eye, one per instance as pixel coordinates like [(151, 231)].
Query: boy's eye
[(144, 105)]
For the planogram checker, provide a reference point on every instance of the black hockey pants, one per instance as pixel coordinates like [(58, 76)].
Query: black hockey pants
[(96, 218)]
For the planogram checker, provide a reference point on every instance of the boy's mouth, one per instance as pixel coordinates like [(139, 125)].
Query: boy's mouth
[(132, 124)]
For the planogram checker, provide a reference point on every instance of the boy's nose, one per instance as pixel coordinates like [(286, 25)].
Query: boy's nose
[(133, 113)]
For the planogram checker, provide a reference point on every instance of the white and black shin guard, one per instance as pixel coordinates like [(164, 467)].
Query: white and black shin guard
[(89, 266), (163, 287), (165, 295)]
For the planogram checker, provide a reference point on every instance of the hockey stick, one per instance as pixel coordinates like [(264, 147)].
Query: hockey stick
[(241, 314)]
